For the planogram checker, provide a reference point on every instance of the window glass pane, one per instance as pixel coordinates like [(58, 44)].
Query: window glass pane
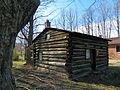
[(40, 57), (48, 36), (87, 53)]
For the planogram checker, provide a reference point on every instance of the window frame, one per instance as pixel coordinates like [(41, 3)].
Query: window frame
[(87, 53), (48, 36), (40, 57)]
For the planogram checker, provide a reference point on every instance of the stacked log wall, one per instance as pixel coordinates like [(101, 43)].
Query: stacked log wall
[(66, 53), (82, 66), (54, 51)]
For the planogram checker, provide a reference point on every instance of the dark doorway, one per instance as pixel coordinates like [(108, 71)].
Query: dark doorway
[(93, 59)]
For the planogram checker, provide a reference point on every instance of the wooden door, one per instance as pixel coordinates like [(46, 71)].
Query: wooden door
[(93, 59)]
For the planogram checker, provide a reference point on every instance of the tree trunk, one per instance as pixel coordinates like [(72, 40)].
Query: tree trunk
[(30, 38), (14, 14), (7, 43)]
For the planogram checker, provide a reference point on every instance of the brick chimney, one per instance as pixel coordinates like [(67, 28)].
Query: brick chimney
[(47, 24)]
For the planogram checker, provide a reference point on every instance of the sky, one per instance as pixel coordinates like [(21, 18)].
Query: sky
[(58, 5), (53, 10)]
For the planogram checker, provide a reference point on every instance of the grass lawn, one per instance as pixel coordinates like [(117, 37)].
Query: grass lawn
[(32, 79), (18, 64)]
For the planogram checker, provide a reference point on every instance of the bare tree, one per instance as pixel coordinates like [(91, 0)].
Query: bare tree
[(14, 14), (70, 18), (30, 29), (117, 15), (110, 27), (104, 13), (88, 20), (62, 20), (76, 26)]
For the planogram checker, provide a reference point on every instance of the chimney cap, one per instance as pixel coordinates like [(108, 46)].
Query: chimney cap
[(47, 24)]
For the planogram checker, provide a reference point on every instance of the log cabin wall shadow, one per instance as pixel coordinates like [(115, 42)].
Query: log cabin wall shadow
[(71, 53)]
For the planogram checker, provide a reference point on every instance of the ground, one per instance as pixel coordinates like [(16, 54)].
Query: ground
[(28, 78)]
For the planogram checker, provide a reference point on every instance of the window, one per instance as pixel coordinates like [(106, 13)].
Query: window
[(47, 36), (117, 48), (40, 57), (87, 53)]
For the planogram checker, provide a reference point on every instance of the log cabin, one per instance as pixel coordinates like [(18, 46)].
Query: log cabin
[(73, 53)]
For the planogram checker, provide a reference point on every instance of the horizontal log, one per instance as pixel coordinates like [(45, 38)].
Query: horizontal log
[(54, 63), (60, 35), (102, 50), (55, 52), (78, 50), (91, 43), (78, 54), (44, 63), (54, 59), (54, 42), (79, 62), (78, 57), (56, 69), (82, 70), (57, 39), (102, 55), (78, 46), (81, 66), (64, 56), (101, 65), (77, 42), (55, 49), (56, 32), (51, 41), (103, 58), (104, 47), (88, 40), (101, 61), (77, 76), (102, 68), (55, 46)]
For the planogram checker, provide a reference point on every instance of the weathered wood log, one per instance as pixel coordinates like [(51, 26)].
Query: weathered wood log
[(53, 49), (55, 56), (55, 52), (54, 63), (53, 68), (81, 71), (81, 66), (14, 14), (54, 59), (44, 63), (77, 76)]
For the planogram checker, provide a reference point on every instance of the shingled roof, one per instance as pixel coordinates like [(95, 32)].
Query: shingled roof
[(115, 40)]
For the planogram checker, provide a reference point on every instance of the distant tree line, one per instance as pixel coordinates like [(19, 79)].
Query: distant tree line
[(101, 19)]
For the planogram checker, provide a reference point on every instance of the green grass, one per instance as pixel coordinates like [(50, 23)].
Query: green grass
[(108, 81), (18, 64)]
